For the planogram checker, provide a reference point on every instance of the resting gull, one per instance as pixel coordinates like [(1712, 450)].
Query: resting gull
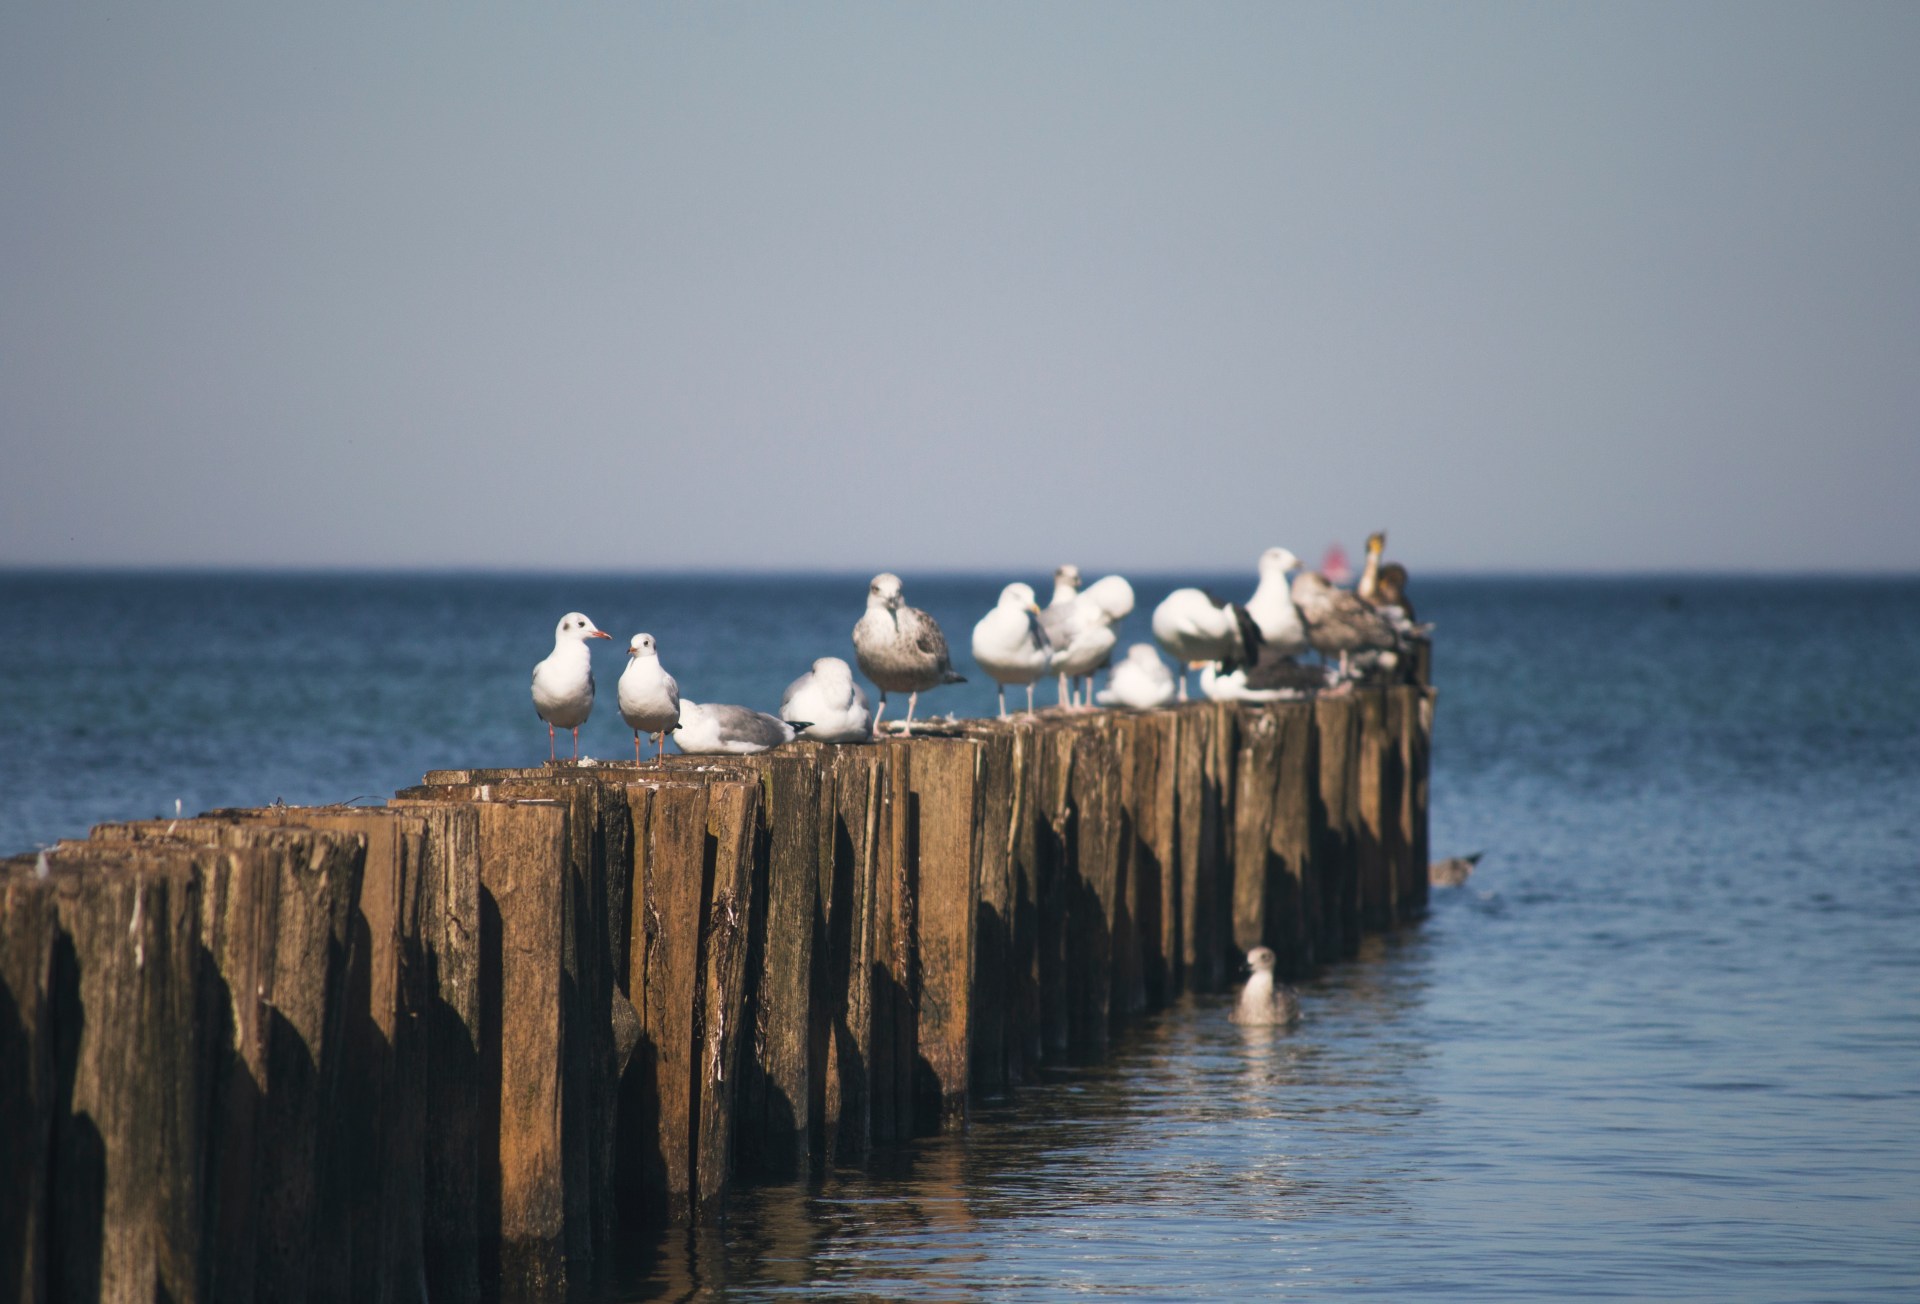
[(1271, 605), (1264, 1002), (1271, 679), (708, 729), (1010, 645), (827, 706), (1194, 626), (1140, 681), (1340, 622), (1058, 616), (563, 683), (1088, 643), (649, 697), (900, 648)]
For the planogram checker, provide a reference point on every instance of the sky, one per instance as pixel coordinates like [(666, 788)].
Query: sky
[(1562, 287)]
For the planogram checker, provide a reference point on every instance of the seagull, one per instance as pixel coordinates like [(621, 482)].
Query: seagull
[(1263, 1002), (900, 648), (1088, 642), (1059, 613), (833, 705), (1454, 872), (563, 683), (649, 697), (708, 729), (1140, 681), (1010, 644), (1194, 626), (1271, 679), (1340, 622), (1271, 605)]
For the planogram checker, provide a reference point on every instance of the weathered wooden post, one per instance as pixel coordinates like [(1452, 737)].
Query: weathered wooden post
[(692, 899), (1335, 721), (943, 844), (852, 797), (29, 926), (774, 1110)]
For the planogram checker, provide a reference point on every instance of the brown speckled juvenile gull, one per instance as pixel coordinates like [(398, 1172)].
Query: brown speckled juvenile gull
[(900, 648)]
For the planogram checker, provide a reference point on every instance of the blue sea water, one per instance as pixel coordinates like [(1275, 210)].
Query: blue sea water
[(1665, 1044)]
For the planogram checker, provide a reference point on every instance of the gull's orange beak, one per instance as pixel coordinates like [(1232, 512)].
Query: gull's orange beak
[(599, 633)]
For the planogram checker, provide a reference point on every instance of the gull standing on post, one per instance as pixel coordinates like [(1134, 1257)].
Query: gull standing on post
[(649, 697), (827, 706), (1010, 645), (1271, 606), (900, 648), (1057, 619), (1194, 626), (1339, 621), (563, 683)]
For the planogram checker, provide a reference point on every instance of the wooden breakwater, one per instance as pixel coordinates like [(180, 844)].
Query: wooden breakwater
[(453, 1046)]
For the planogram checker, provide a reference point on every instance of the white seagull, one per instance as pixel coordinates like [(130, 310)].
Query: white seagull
[(563, 683), (826, 705), (1194, 626), (1271, 606), (709, 729), (1139, 681), (1263, 1002), (649, 697), (1010, 644)]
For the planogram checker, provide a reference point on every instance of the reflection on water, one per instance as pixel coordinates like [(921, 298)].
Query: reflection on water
[(1223, 1144)]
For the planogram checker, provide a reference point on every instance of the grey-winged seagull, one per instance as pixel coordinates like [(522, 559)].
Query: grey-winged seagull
[(649, 697), (563, 683)]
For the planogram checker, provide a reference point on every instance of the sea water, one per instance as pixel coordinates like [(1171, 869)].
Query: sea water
[(1665, 1043)]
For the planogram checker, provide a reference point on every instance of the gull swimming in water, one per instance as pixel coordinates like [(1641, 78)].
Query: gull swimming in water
[(708, 729), (1454, 872), (649, 696), (563, 683), (1264, 1002), (1010, 644), (900, 648), (829, 705), (1140, 681)]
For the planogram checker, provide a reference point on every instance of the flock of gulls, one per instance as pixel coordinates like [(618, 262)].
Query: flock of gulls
[(1244, 651)]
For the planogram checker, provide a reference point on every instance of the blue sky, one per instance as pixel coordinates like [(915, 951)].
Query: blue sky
[(1586, 287)]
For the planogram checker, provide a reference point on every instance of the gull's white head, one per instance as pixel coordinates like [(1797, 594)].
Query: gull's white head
[(1143, 654), (885, 591), (575, 626), (1261, 959), (1069, 575), (1114, 597), (833, 669), (1019, 596), (641, 645), (1276, 563)]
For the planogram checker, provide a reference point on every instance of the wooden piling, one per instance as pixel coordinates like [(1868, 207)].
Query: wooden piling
[(458, 1043)]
